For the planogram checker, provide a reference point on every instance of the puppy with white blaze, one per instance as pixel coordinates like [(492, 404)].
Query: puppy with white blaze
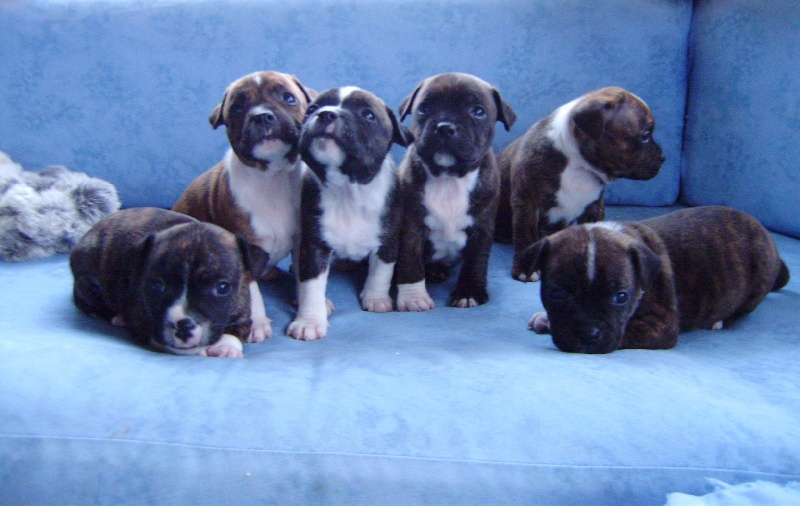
[(349, 202), (450, 187)]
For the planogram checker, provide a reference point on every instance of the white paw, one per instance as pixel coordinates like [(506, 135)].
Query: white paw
[(118, 321), (718, 326), (329, 306), (377, 304), (465, 303), (539, 323), (260, 330), (307, 328), (228, 346), (533, 278), (417, 302)]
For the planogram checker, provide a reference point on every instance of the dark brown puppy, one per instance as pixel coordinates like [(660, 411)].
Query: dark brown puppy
[(255, 190), (607, 285), (179, 285), (555, 175), (449, 186)]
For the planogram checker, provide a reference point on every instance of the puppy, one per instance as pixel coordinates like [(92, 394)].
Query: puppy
[(449, 186), (179, 285), (255, 190), (349, 203), (555, 175), (609, 285)]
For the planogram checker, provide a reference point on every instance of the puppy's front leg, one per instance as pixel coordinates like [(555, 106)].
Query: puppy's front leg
[(228, 346), (525, 219), (262, 326), (411, 292), (375, 295), (311, 321), (470, 288)]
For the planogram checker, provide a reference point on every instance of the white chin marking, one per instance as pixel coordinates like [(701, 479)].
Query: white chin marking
[(444, 159), (327, 152), (270, 149)]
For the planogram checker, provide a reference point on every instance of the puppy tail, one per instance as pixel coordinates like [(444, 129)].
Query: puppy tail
[(783, 277)]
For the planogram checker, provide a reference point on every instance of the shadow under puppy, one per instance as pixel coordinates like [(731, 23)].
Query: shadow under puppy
[(350, 207), (449, 186), (179, 285), (255, 190), (556, 173), (609, 285)]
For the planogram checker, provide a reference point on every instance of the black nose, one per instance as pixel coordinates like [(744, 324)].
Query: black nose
[(327, 117), (595, 336), (265, 118), (185, 324), (446, 129)]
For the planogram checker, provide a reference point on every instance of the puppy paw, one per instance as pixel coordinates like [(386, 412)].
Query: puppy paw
[(519, 275), (539, 323), (228, 347), (377, 304), (261, 329), (307, 328), (413, 297), (118, 321), (718, 325), (470, 297)]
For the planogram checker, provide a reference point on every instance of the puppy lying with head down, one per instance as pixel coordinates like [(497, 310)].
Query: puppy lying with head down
[(179, 285), (555, 175), (608, 285), (255, 190), (450, 188), (349, 206)]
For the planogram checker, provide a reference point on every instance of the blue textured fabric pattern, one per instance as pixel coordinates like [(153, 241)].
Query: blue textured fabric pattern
[(452, 406), (742, 145), (122, 90)]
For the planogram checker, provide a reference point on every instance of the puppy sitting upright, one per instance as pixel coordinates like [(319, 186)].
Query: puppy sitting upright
[(255, 190), (555, 175), (450, 188), (179, 285), (609, 285), (349, 201)]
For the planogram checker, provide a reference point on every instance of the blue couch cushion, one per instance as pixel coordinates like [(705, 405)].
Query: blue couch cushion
[(122, 90), (742, 132), (450, 406)]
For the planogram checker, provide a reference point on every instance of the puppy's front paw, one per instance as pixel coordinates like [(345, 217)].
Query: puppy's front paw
[(413, 297), (539, 323), (228, 346), (307, 328), (260, 330), (520, 275), (468, 297), (377, 304)]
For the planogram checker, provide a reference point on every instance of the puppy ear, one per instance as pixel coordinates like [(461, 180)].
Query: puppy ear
[(309, 93), (646, 263), (141, 251), (400, 133), (216, 119), (590, 118), (505, 114), (534, 256), (408, 103), (255, 259)]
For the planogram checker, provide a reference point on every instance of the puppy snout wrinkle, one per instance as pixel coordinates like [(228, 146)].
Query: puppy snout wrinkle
[(446, 129)]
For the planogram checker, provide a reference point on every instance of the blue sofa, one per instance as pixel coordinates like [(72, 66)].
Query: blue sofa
[(452, 406)]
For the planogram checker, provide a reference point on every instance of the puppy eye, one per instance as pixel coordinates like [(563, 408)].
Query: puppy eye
[(557, 293), (620, 298), (479, 112), (647, 137), (289, 99), (368, 114), (222, 289), (422, 110), (156, 286), (311, 110)]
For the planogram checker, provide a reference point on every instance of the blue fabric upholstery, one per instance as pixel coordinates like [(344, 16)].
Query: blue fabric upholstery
[(445, 407), (742, 131)]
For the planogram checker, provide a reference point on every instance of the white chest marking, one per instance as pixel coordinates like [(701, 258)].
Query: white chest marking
[(352, 213), (446, 199), (581, 183), (272, 198)]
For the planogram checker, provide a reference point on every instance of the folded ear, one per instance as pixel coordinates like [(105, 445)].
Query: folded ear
[(534, 257), (505, 114), (216, 119), (646, 263), (590, 118), (309, 93), (400, 133), (255, 259), (408, 103)]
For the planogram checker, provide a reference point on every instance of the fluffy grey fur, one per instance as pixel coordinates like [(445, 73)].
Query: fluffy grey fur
[(47, 212)]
